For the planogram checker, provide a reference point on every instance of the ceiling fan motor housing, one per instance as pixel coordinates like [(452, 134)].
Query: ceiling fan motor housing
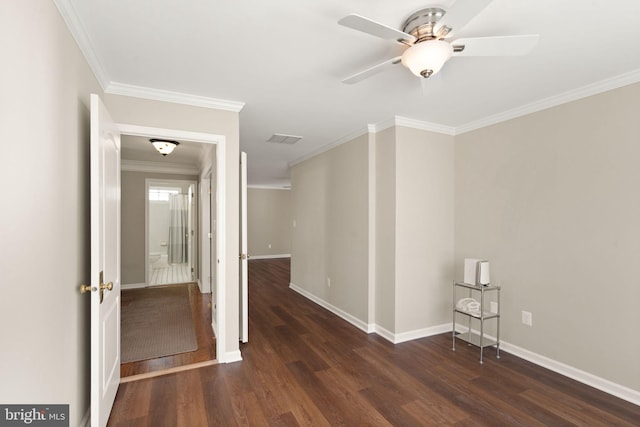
[(421, 23)]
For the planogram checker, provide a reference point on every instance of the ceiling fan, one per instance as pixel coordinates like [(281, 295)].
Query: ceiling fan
[(426, 31)]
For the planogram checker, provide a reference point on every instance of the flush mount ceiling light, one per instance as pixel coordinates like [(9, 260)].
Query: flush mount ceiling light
[(164, 146)]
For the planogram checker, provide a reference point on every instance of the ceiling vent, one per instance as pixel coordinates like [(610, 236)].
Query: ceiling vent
[(279, 138)]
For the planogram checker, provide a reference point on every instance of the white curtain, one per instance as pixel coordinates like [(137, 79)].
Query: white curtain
[(178, 229)]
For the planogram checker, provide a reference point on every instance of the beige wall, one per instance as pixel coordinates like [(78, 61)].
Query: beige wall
[(551, 199), (330, 241), (414, 201), (269, 221), (44, 112), (133, 194), (424, 229), (385, 176)]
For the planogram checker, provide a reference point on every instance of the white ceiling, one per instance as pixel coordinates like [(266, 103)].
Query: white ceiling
[(285, 58)]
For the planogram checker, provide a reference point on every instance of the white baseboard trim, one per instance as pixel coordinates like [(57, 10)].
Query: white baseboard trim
[(421, 333), (232, 356), (86, 420), (579, 375), (618, 390), (134, 286), (412, 335), (363, 326), (384, 333), (373, 328), (269, 256)]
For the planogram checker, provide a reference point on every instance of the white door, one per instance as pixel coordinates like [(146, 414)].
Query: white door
[(244, 273), (105, 262)]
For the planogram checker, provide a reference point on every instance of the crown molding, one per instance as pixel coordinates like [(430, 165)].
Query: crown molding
[(553, 101), (115, 88), (430, 127), (81, 36), (158, 167), (346, 138)]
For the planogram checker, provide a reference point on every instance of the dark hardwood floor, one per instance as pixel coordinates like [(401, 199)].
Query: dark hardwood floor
[(201, 312), (305, 366)]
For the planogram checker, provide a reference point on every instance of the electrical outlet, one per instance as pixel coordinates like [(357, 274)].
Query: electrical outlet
[(527, 318), (494, 307), (329, 281)]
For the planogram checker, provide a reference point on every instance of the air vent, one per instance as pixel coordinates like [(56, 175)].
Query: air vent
[(279, 138)]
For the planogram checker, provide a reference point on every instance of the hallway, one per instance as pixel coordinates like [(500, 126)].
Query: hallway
[(305, 366)]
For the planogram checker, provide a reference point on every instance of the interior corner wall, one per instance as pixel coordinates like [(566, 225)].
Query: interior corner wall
[(551, 199), (145, 112), (424, 252), (329, 200), (385, 265), (45, 85), (269, 221), (133, 219)]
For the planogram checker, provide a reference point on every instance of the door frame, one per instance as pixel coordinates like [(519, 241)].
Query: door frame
[(220, 214)]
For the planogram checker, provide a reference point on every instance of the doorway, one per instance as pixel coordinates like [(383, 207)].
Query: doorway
[(171, 232), (157, 250)]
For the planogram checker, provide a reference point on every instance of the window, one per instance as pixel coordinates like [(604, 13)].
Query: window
[(157, 194)]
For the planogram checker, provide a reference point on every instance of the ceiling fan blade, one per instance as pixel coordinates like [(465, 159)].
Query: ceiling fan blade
[(495, 46), (372, 70), (459, 15), (374, 28)]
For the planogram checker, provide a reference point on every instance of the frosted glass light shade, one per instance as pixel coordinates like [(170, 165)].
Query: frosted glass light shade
[(164, 146), (427, 58)]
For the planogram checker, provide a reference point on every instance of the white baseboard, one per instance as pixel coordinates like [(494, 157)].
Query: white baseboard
[(363, 326), (134, 286), (594, 381), (373, 328), (623, 392), (205, 288), (269, 256), (86, 419), (421, 333), (232, 356), (384, 333)]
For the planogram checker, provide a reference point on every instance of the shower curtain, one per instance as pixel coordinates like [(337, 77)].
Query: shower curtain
[(178, 229)]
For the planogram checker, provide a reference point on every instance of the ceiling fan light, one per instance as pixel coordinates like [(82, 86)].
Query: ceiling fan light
[(164, 146), (426, 58)]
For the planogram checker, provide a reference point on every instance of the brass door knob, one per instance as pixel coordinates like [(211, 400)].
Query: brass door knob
[(108, 286), (85, 288)]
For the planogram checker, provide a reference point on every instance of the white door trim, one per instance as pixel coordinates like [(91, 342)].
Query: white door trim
[(221, 235)]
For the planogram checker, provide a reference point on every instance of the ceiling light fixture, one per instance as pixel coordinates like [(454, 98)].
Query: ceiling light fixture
[(164, 146), (426, 58)]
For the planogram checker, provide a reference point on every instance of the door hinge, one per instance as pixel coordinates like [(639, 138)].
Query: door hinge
[(210, 235)]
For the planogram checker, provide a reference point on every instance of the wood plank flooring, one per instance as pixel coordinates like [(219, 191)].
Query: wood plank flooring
[(201, 312), (305, 366)]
